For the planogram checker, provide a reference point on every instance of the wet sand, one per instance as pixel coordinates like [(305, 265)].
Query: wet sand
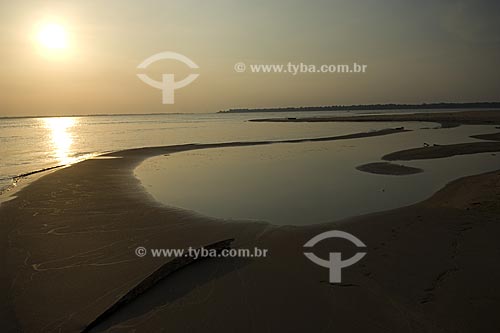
[(68, 243), (446, 119), (442, 151), (386, 168), (492, 136)]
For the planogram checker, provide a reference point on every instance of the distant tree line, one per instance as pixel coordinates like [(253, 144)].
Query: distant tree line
[(361, 107)]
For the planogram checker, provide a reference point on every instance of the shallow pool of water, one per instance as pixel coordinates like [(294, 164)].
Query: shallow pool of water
[(307, 183)]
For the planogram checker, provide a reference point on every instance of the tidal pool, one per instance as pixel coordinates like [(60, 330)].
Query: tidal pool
[(308, 183)]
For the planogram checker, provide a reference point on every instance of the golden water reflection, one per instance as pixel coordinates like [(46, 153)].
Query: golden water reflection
[(62, 137)]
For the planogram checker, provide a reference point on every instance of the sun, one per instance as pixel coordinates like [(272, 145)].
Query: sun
[(52, 36)]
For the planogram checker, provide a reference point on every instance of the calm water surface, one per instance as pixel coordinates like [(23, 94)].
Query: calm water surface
[(29, 144), (307, 183)]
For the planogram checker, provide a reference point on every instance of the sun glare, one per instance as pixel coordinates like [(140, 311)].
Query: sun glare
[(62, 137), (52, 36)]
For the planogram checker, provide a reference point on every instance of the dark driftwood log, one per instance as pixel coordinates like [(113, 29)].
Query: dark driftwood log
[(155, 277)]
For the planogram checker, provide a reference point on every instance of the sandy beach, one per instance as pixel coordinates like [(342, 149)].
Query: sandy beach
[(68, 242)]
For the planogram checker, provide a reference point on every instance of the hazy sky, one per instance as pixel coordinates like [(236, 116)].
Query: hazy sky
[(416, 51)]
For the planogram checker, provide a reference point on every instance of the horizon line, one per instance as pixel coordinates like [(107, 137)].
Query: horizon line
[(340, 107)]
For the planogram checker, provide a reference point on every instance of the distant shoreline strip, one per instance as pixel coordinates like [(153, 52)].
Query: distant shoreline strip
[(373, 107)]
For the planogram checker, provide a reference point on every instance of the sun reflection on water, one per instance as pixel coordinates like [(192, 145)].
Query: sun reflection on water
[(62, 137)]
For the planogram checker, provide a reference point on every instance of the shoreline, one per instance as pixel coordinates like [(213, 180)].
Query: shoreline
[(8, 191), (446, 119), (71, 236)]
